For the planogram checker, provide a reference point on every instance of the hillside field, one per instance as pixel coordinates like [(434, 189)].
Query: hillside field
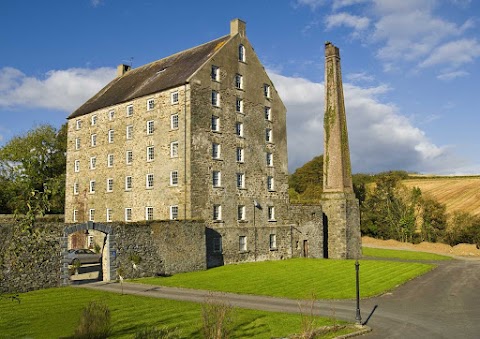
[(457, 193)]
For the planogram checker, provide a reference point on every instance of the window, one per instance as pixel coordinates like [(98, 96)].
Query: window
[(78, 124), (149, 180), (92, 186), (174, 212), (129, 132), (270, 186), (271, 213), (217, 245), (240, 154), (129, 157), (268, 115), (240, 180), (150, 127), (215, 123), (110, 136), (174, 149), (174, 97), (239, 129), (110, 160), (215, 73), (241, 212), (241, 53), (273, 241), (217, 212), (269, 159), (174, 178), (94, 120), (174, 121), (128, 183), (129, 110), (77, 166), (75, 212), (266, 90), (268, 135), (93, 140), (148, 213), (91, 215), (77, 143), (75, 187), (238, 81), (150, 104), (93, 162), (111, 115), (128, 214), (150, 153), (109, 215), (110, 185), (215, 151), (215, 99), (242, 243), (239, 105), (216, 178)]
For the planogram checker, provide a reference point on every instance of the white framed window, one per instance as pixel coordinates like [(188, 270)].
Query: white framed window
[(271, 213), (174, 121), (269, 159), (149, 181), (241, 212), (128, 214), (129, 157), (268, 113), (128, 183), (77, 143), (217, 245), (110, 185), (242, 243), (239, 129), (270, 184), (268, 135), (150, 127), (110, 136), (240, 154), (239, 105), (129, 132), (238, 81), (92, 186), (91, 214), (266, 90), (215, 75), (150, 104), (109, 214), (215, 99), (93, 162), (273, 241), (149, 213), (174, 178), (150, 153), (75, 213), (75, 187), (216, 151), (216, 178), (111, 115), (129, 110), (241, 53), (93, 120), (174, 97), (217, 212), (76, 167), (93, 140), (110, 160), (240, 180), (174, 149), (78, 124), (215, 123), (174, 212)]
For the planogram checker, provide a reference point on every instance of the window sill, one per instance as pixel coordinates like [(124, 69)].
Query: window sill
[(242, 221), (272, 220), (218, 222), (273, 249)]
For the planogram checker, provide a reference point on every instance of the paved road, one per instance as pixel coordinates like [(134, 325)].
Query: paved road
[(444, 303)]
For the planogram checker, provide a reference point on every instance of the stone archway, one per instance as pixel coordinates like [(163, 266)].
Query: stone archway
[(109, 251)]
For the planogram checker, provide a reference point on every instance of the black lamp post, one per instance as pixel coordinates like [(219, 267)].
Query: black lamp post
[(358, 317)]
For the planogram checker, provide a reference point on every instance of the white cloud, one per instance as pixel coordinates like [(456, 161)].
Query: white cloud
[(313, 4), (60, 89), (96, 3), (454, 53), (337, 4), (344, 19), (452, 75), (357, 77)]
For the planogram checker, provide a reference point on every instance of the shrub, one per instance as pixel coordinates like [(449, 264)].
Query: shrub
[(157, 333), (217, 319), (94, 322)]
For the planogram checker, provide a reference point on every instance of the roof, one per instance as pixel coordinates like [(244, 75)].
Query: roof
[(154, 77)]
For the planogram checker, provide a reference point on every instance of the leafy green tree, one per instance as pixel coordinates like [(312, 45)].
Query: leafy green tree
[(307, 181), (434, 220)]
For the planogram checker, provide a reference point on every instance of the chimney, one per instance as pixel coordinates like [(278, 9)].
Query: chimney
[(122, 69), (237, 26)]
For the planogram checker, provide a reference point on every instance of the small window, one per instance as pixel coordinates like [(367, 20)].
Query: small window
[(273, 241), (78, 124), (150, 153), (93, 140), (94, 120), (129, 157), (75, 212), (240, 154), (129, 132), (217, 245), (215, 99), (92, 186), (150, 127), (217, 212), (174, 97), (215, 73), (111, 115), (242, 243), (129, 110), (110, 136), (240, 180), (77, 166), (174, 149), (271, 213), (174, 178), (270, 185), (75, 187), (268, 115), (128, 183), (77, 143), (216, 151), (91, 215), (174, 121), (174, 212), (93, 162), (241, 212), (238, 81), (149, 181), (269, 159), (215, 123), (110, 160), (110, 185), (239, 105), (241, 53), (109, 214), (128, 214), (268, 135), (148, 213), (216, 179), (239, 129), (266, 90), (150, 104)]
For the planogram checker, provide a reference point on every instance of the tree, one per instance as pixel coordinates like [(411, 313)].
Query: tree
[(307, 181)]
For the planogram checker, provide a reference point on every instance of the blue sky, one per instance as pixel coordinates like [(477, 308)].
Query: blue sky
[(410, 67)]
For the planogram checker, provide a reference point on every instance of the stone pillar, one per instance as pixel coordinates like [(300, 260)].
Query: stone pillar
[(339, 204)]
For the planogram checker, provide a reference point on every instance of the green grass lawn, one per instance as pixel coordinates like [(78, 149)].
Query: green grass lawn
[(54, 313), (299, 278), (399, 254)]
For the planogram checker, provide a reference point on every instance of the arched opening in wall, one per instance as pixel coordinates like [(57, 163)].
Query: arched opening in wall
[(325, 236)]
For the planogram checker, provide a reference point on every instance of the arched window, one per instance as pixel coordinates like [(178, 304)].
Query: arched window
[(241, 53)]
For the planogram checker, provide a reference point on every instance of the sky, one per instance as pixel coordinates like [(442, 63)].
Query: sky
[(410, 68)]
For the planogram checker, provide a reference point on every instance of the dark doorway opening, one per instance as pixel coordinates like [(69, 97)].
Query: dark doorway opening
[(305, 248), (325, 236)]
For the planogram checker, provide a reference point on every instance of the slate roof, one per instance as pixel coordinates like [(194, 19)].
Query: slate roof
[(154, 77)]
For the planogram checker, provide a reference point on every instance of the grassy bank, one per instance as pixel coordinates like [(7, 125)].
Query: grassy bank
[(400, 254)]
